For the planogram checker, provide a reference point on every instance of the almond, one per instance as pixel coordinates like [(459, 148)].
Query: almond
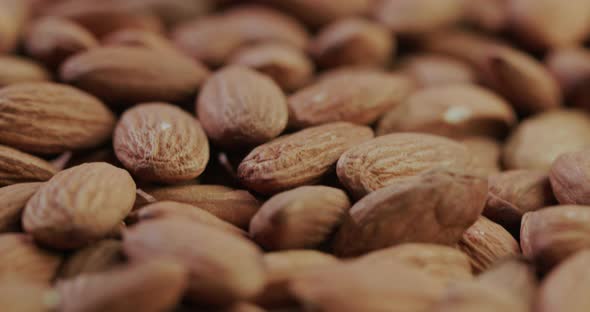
[(140, 38), (300, 158), (303, 217), (161, 143), (571, 67), (240, 107), (14, 199), (52, 118), (98, 257), (19, 167), (79, 205), (569, 177), (486, 153), (381, 161), (23, 260), (13, 16), (513, 274), (489, 15), (430, 69), (321, 12), (26, 296), (172, 11), (474, 296), (391, 215), (14, 69)]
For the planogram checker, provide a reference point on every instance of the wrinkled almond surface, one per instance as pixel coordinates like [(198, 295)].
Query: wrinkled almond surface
[(14, 198), (19, 167)]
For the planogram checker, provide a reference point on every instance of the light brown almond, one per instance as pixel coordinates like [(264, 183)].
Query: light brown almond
[(13, 17), (489, 15), (14, 198), (18, 167), (101, 256), (475, 296), (429, 70), (26, 296), (140, 38), (23, 260), (14, 69), (569, 178), (486, 153), (172, 11), (320, 12), (571, 67)]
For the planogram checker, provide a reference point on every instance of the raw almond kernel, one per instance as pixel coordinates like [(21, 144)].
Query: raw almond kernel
[(150, 286), (460, 110), (224, 268), (524, 150), (513, 193), (14, 69), (429, 70), (569, 178), (160, 142), (486, 153), (129, 75), (391, 215), (14, 199), (240, 107), (98, 257), (320, 12), (19, 167), (303, 217), (79, 205), (332, 99), (288, 66), (353, 41), (300, 158), (23, 260), (486, 243), (140, 38), (381, 161), (52, 118), (234, 206), (53, 40), (552, 234), (571, 67)]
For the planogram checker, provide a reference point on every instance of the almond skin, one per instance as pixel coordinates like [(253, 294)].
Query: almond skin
[(300, 158), (129, 75), (52, 118), (23, 260), (79, 205), (486, 153), (14, 69), (321, 12), (159, 142), (14, 199), (379, 162), (240, 107), (99, 257), (303, 217), (569, 177), (429, 70), (390, 215), (19, 167)]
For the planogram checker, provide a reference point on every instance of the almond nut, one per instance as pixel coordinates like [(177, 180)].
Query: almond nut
[(14, 69), (14, 198), (429, 70), (486, 153), (571, 67), (569, 177), (19, 167), (98, 257), (23, 260)]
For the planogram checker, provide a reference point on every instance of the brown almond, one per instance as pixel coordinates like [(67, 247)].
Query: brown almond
[(13, 17), (300, 158), (489, 15), (129, 75), (241, 107), (332, 99), (391, 215), (224, 268), (14, 198), (101, 256), (19, 167), (320, 12), (14, 69), (571, 67), (515, 274), (23, 260), (140, 38), (467, 296), (172, 11), (26, 296), (79, 205), (486, 153), (430, 69), (381, 161), (243, 307), (569, 177), (303, 217)]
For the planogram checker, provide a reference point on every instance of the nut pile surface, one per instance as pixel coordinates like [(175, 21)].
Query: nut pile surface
[(294, 155)]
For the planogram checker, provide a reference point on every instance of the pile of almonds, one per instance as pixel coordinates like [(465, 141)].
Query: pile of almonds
[(294, 155)]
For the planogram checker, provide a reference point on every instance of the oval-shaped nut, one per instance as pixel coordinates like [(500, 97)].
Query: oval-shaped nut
[(160, 142), (130, 75), (320, 12), (288, 66), (552, 234), (513, 193), (23, 260), (234, 206), (516, 275), (13, 17), (489, 15), (333, 99), (571, 67), (19, 167), (240, 107), (52, 40), (487, 243), (444, 262), (467, 296), (460, 110), (303, 217), (52, 118), (140, 38), (224, 268), (150, 286), (381, 161), (429, 70), (563, 131), (25, 296), (353, 41), (570, 176), (486, 153), (98, 257), (391, 215), (14, 198), (14, 69), (173, 11), (566, 287), (300, 158), (79, 205)]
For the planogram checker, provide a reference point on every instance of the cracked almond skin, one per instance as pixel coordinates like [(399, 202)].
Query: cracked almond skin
[(486, 153), (122, 75), (303, 217), (443, 204), (49, 118), (569, 176), (316, 13), (239, 107), (223, 268), (300, 158), (159, 142), (150, 286), (385, 159), (430, 69), (487, 243), (14, 198), (18, 167), (99, 257), (14, 69), (552, 234), (23, 260), (79, 205)]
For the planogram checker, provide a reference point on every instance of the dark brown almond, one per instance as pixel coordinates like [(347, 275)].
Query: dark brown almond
[(14, 198), (23, 260), (14, 69), (19, 167)]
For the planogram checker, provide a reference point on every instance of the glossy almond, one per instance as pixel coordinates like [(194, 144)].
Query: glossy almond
[(79, 205), (429, 69), (14, 69), (52, 118), (300, 158), (240, 107), (486, 153), (442, 204), (381, 161), (303, 217), (569, 178), (14, 199), (23, 260), (19, 167), (130, 75), (321, 12), (571, 67), (101, 256)]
